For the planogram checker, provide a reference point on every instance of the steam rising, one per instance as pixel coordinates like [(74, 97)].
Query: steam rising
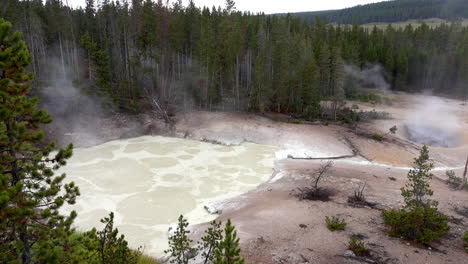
[(79, 117), (371, 77), (433, 123)]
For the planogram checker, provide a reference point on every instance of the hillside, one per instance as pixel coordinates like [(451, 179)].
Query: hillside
[(393, 11)]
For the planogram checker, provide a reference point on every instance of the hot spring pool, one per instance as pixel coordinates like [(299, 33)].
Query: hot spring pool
[(149, 181)]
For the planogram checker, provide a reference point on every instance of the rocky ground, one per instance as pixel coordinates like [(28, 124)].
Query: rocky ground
[(277, 227)]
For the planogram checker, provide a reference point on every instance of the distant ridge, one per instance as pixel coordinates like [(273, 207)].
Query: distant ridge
[(392, 11)]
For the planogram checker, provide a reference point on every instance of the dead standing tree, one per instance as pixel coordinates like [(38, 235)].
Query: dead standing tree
[(315, 191), (464, 181)]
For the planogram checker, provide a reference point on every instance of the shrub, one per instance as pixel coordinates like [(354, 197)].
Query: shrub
[(147, 260), (419, 220), (359, 199), (455, 182), (335, 223), (377, 137), (358, 247), (373, 115), (465, 241), (422, 224), (315, 192)]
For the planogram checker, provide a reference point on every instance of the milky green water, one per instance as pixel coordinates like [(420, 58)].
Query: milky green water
[(149, 181)]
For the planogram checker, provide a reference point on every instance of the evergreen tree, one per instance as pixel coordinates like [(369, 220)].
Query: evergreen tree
[(417, 190), (419, 220), (179, 243), (211, 242), (30, 194), (229, 252), (109, 246)]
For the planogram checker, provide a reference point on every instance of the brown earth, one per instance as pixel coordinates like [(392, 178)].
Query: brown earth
[(275, 226)]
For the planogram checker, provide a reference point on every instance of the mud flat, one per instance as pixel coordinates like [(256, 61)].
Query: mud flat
[(274, 226), (149, 181)]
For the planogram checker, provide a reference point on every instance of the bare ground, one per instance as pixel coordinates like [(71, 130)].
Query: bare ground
[(274, 225)]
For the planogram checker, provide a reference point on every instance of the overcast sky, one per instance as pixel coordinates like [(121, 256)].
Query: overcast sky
[(272, 6)]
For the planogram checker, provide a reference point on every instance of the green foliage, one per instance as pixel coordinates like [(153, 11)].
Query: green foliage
[(98, 66), (391, 11), (109, 247), (215, 246), (370, 97), (179, 244), (211, 242), (465, 241), (419, 220), (417, 190), (455, 182), (229, 250), (147, 260), (358, 247), (377, 137), (335, 223), (421, 224), (223, 59), (30, 194)]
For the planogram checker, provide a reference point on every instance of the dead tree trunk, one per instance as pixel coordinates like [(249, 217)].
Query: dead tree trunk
[(464, 181)]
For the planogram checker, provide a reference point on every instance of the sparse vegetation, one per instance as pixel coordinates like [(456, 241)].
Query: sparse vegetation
[(315, 191), (358, 247), (373, 115), (465, 241), (359, 199), (419, 220), (377, 137), (392, 130), (455, 182), (147, 260), (215, 246), (335, 223)]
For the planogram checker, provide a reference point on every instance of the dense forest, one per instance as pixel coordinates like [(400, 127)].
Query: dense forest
[(222, 59), (392, 11)]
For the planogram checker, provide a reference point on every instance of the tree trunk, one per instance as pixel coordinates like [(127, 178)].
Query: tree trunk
[(26, 254), (464, 182)]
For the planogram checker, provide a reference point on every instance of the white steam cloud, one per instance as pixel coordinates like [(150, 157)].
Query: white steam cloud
[(371, 77), (433, 123)]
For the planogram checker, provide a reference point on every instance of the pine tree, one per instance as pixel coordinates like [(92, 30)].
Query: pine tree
[(112, 248), (30, 194), (417, 189), (229, 252), (211, 242), (179, 243), (419, 219)]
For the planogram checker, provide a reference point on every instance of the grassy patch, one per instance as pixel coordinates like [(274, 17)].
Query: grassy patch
[(147, 260), (358, 247), (335, 223)]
